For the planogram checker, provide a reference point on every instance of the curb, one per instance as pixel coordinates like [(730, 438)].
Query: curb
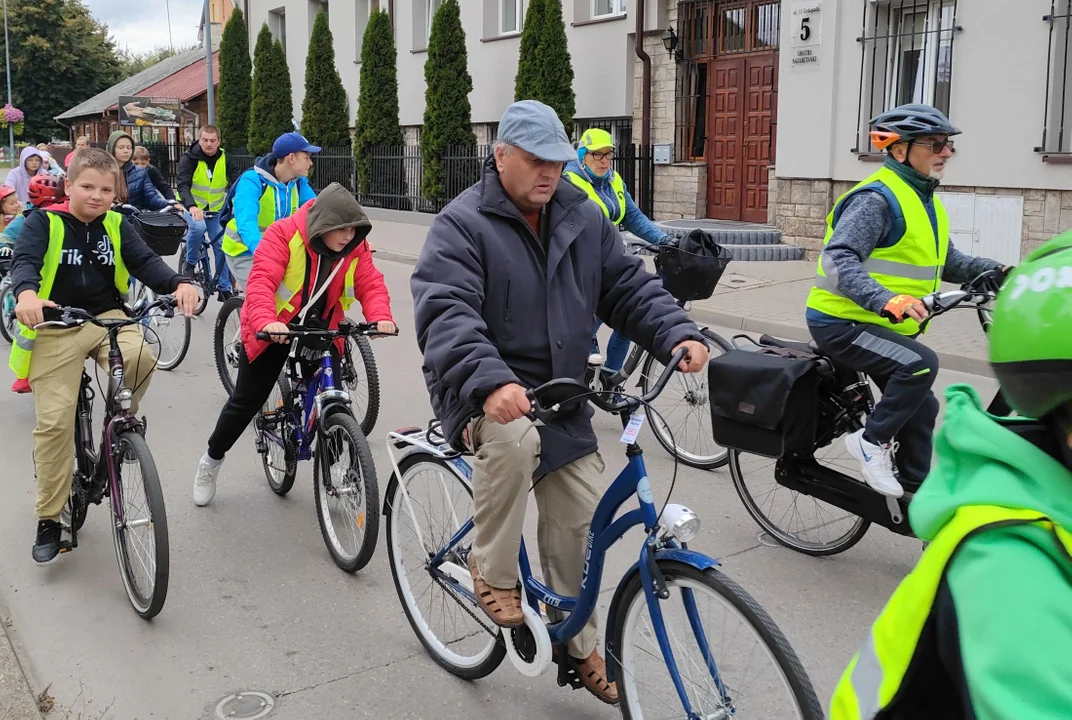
[(947, 361), (17, 700)]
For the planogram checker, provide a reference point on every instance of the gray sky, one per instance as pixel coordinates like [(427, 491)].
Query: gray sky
[(142, 25)]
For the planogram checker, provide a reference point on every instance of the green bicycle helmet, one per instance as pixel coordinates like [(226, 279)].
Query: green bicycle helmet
[(1031, 335)]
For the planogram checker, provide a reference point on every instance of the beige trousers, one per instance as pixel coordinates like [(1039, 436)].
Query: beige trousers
[(59, 354), (566, 500)]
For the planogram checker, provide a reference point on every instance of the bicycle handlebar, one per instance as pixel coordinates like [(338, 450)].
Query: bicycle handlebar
[(549, 397), (345, 329), (70, 317), (979, 292)]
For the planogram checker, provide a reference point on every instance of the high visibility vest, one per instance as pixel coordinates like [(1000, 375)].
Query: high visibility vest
[(232, 241), (908, 262), (22, 348), (209, 190), (616, 184), (876, 673), (294, 278)]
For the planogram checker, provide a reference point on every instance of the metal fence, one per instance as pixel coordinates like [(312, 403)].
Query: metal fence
[(391, 176)]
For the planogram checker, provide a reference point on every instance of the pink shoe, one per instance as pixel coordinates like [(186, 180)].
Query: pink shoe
[(21, 386)]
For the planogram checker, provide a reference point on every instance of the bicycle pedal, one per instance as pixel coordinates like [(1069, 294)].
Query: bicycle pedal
[(567, 671)]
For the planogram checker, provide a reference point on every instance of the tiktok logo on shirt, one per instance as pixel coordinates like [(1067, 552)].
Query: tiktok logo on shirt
[(103, 250)]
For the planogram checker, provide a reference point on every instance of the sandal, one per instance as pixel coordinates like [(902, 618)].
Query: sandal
[(592, 672), (503, 607)]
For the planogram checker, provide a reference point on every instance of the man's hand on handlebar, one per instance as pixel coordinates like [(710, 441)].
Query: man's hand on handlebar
[(187, 298), (901, 306), (30, 308), (278, 332), (696, 356), (196, 213), (506, 404)]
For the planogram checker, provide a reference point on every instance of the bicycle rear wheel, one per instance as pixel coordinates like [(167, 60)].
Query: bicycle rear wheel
[(8, 322), (701, 604), (362, 382), (139, 526), (227, 342), (454, 631), (347, 498), (685, 407)]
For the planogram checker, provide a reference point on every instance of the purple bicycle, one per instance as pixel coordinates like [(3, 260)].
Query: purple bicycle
[(122, 469)]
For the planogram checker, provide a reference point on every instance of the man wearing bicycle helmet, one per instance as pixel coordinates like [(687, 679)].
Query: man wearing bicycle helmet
[(887, 245), (981, 627)]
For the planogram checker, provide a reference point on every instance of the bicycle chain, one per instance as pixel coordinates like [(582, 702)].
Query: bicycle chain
[(464, 603)]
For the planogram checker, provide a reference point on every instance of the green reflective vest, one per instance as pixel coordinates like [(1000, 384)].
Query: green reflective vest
[(232, 241), (294, 279), (911, 264), (209, 190), (616, 184), (876, 673), (22, 348)]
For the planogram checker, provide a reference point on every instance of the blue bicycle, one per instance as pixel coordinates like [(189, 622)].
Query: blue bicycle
[(660, 641), (308, 418)]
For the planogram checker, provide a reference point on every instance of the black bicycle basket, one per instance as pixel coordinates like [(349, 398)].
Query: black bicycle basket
[(162, 232), (691, 265)]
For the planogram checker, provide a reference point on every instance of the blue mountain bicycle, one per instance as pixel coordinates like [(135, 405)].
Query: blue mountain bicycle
[(665, 613)]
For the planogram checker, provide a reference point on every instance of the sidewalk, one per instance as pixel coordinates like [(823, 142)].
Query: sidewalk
[(754, 297), (17, 701)]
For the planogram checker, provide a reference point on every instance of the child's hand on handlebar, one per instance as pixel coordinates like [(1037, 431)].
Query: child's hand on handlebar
[(274, 329), (507, 404), (696, 357), (30, 308), (386, 327), (901, 306), (187, 298)]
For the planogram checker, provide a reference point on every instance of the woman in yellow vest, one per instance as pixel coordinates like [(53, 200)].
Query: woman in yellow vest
[(886, 246), (310, 269), (592, 172), (982, 626)]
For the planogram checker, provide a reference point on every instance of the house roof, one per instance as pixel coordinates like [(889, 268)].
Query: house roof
[(136, 84), (186, 84)]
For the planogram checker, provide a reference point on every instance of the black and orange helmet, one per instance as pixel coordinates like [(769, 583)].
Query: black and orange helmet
[(908, 122)]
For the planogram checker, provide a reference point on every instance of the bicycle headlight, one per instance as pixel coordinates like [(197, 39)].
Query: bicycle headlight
[(680, 522)]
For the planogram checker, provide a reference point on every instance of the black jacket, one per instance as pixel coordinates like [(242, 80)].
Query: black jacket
[(188, 164), (493, 307), (81, 282), (157, 179)]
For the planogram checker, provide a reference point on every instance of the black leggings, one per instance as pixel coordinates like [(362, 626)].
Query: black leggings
[(255, 382)]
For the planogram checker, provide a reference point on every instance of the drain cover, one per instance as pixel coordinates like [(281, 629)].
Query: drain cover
[(245, 705)]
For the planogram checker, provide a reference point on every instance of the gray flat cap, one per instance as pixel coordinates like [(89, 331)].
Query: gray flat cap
[(535, 127)]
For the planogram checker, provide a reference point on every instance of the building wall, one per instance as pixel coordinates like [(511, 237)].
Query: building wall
[(997, 97)]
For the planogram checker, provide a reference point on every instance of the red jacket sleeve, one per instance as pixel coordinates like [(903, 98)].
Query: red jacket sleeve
[(370, 289), (269, 264)]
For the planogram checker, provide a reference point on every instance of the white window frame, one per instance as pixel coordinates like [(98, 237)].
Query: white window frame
[(430, 8), (617, 7), (935, 10), (519, 16)]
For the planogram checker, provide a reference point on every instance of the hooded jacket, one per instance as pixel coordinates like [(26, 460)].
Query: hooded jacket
[(19, 177), (335, 208), (247, 197), (140, 191), (188, 164), (635, 221), (1002, 619)]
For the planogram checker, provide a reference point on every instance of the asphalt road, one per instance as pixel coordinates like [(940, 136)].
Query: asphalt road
[(257, 604)]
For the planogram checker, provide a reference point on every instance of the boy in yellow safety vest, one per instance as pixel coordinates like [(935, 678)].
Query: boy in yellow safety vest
[(79, 254)]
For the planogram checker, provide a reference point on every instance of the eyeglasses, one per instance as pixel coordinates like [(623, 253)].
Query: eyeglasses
[(599, 156), (937, 146)]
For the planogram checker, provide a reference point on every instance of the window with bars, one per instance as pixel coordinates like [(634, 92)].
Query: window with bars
[(906, 57), (1057, 121)]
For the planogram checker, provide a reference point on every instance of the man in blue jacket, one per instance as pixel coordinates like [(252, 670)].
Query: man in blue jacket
[(274, 188), (504, 291)]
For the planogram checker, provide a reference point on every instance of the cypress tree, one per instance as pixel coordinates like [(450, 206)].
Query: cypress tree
[(325, 120), (236, 68), (555, 68), (527, 81), (447, 113), (271, 109), (377, 112)]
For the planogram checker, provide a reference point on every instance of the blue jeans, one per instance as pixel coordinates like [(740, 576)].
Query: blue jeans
[(194, 239), (617, 348)]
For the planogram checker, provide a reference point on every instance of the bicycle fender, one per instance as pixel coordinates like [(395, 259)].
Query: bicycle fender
[(691, 558), (458, 466)]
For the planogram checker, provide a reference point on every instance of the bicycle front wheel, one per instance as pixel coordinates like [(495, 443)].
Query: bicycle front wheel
[(731, 658), (139, 526), (684, 428), (8, 323), (227, 342), (362, 382), (203, 278), (347, 498)]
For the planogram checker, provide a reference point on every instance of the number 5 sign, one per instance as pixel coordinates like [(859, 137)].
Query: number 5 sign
[(807, 23)]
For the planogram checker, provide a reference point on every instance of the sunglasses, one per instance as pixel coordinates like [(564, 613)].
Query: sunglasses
[(602, 155), (937, 146)]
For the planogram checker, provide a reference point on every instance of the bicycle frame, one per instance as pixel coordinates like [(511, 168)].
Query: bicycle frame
[(317, 394)]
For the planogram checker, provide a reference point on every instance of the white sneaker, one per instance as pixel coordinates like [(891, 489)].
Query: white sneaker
[(205, 482), (876, 462)]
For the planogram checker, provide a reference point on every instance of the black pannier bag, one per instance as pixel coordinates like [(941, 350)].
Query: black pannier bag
[(764, 401), (161, 231)]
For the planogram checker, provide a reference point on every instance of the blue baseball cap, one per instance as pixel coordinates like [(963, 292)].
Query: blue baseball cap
[(535, 127), (292, 142)]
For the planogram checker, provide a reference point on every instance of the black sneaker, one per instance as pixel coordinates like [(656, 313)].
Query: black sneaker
[(187, 270), (225, 295), (47, 545)]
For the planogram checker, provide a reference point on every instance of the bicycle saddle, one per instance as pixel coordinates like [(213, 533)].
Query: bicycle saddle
[(808, 347)]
